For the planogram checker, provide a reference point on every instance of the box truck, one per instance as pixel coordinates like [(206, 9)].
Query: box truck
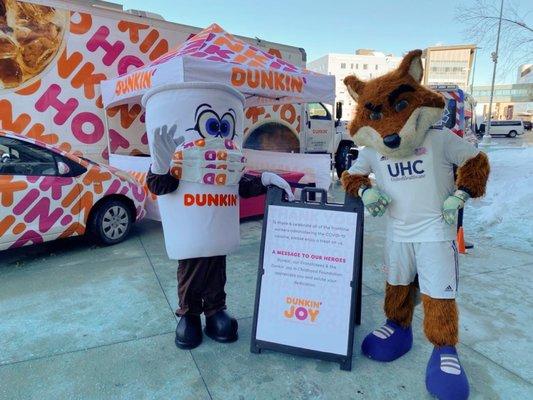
[(55, 53)]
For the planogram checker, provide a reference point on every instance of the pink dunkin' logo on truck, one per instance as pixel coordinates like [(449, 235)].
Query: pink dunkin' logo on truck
[(137, 81), (302, 309)]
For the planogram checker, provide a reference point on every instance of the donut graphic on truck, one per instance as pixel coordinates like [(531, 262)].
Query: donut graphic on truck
[(31, 35)]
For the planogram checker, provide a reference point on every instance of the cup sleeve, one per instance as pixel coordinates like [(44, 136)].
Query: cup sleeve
[(160, 184)]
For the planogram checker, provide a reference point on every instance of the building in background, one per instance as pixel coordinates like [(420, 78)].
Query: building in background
[(525, 74), (443, 65), (524, 110), (366, 64), (448, 65), (511, 101)]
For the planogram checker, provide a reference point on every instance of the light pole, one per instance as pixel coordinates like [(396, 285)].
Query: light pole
[(486, 136)]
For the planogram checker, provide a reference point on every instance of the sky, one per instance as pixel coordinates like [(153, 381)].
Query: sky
[(331, 26)]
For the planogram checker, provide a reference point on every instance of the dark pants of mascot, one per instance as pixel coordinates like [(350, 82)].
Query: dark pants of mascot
[(201, 284)]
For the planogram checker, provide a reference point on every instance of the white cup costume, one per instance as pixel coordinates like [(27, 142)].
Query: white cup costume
[(195, 131)]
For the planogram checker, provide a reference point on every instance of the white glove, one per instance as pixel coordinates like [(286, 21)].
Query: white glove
[(162, 147), (374, 200), (268, 178), (452, 204)]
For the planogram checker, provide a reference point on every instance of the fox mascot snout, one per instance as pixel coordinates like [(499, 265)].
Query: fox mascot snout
[(416, 188)]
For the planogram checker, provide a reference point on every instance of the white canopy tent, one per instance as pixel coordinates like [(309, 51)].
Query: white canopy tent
[(214, 55)]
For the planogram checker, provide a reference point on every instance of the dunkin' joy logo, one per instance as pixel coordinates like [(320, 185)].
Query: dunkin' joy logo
[(302, 309), (263, 79), (137, 81)]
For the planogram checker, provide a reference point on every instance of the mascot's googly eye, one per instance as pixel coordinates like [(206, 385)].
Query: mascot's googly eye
[(227, 126), (401, 105), (209, 124)]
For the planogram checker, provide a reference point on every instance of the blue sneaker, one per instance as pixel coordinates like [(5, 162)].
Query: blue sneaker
[(445, 378), (388, 343)]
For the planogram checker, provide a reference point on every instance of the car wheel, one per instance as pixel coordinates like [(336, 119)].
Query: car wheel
[(512, 134), (111, 222)]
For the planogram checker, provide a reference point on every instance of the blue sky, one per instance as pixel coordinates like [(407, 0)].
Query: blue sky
[(331, 26)]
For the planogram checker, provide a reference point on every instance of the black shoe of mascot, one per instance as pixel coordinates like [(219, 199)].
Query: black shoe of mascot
[(221, 327), (189, 332)]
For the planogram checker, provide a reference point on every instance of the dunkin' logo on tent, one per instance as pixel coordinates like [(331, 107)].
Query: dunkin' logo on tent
[(260, 78), (137, 81), (302, 309)]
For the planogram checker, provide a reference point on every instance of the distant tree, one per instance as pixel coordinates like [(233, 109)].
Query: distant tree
[(480, 22)]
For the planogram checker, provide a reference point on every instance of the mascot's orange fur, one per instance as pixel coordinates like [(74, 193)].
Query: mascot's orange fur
[(413, 165)]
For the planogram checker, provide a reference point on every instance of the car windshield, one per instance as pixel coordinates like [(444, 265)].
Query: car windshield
[(23, 158)]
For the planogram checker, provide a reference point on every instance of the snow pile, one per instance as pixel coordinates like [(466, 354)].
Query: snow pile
[(505, 214)]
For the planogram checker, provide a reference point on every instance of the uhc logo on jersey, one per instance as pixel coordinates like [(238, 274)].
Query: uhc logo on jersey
[(403, 170)]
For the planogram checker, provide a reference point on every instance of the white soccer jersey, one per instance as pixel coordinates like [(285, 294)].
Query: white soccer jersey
[(418, 185)]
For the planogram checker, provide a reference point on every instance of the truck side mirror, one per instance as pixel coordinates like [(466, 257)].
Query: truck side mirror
[(338, 110)]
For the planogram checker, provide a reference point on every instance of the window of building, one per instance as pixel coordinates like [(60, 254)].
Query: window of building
[(365, 66), (356, 66), (351, 66), (343, 65), (376, 67)]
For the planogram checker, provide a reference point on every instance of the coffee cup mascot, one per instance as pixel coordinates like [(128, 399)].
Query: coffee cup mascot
[(414, 169), (195, 137)]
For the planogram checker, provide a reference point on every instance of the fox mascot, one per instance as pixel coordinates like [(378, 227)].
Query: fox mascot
[(413, 165)]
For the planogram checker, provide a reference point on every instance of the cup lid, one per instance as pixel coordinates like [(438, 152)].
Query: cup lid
[(192, 85)]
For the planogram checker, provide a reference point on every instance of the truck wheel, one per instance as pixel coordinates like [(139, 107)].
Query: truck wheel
[(341, 155), (111, 222), (512, 134)]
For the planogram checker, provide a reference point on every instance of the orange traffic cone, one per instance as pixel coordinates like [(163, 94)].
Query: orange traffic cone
[(461, 241)]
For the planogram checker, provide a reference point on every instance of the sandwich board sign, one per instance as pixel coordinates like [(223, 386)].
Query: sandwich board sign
[(308, 293)]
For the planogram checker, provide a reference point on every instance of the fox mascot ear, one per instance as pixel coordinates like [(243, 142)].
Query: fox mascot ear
[(355, 86), (412, 65)]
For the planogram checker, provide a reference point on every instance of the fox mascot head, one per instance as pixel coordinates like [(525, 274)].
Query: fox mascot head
[(394, 111)]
